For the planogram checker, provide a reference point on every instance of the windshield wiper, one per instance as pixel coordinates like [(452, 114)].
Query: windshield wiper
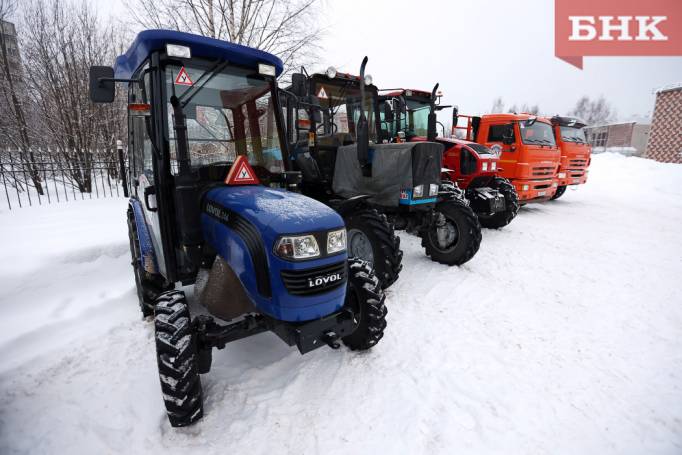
[(200, 83)]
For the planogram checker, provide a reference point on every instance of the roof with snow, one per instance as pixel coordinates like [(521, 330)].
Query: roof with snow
[(149, 41)]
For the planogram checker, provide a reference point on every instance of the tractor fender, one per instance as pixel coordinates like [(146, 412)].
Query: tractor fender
[(346, 206), (147, 255)]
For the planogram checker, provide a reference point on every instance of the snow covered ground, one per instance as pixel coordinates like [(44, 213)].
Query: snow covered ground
[(562, 336)]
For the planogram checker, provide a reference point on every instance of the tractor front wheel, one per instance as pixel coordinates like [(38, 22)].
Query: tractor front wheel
[(176, 354), (559, 192), (372, 238), (366, 299), (455, 235), (511, 205)]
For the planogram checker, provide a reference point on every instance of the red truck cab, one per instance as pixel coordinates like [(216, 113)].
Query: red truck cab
[(525, 144), (575, 152)]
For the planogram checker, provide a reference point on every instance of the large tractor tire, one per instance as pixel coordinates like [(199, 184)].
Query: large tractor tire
[(148, 286), (372, 238), (365, 297), (511, 205), (559, 192), (455, 236), (177, 359)]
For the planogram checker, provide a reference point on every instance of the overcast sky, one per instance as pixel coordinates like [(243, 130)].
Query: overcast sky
[(479, 50)]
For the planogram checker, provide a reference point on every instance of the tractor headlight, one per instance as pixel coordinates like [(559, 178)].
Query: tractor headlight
[(267, 70), (331, 72), (493, 165), (336, 241), (484, 166), (433, 189), (368, 79), (418, 191), (297, 247)]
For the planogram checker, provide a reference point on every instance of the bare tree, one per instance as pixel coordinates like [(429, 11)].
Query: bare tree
[(287, 29), (14, 123), (61, 40), (593, 112), (498, 106)]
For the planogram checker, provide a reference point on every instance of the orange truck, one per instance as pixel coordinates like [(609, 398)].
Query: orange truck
[(575, 152), (525, 143)]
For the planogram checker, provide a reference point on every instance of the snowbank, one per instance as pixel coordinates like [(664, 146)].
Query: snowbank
[(563, 335)]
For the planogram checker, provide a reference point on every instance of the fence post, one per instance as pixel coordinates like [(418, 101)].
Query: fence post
[(122, 164)]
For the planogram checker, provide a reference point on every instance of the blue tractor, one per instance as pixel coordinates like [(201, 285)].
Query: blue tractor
[(211, 206)]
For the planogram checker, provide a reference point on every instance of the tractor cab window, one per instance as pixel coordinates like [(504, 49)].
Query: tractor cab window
[(228, 112), (539, 133), (572, 134), (341, 106), (141, 144), (416, 121)]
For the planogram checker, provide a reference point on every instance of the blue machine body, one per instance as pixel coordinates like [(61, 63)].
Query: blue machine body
[(147, 259), (407, 198), (261, 214), (149, 41)]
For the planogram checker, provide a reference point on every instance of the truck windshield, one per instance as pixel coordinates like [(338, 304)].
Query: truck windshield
[(572, 134), (341, 106), (231, 113), (539, 133)]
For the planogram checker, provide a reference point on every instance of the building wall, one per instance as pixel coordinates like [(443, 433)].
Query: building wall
[(665, 139), (629, 138)]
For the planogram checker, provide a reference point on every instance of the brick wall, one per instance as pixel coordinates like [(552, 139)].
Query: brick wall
[(665, 137)]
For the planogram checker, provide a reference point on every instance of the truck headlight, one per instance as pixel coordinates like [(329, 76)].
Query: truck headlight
[(484, 166), (493, 165), (525, 188), (336, 241), (562, 175), (418, 191), (433, 189), (297, 247)]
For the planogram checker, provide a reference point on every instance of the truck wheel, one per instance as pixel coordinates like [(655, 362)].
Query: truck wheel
[(511, 205), (559, 192), (148, 286), (372, 238), (365, 297), (177, 360), (455, 235)]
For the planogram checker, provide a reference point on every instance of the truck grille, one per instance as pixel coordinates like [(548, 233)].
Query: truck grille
[(545, 171), (581, 163), (316, 280)]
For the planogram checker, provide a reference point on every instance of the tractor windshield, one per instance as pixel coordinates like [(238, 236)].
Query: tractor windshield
[(228, 113), (572, 134), (416, 122), (539, 133), (341, 106)]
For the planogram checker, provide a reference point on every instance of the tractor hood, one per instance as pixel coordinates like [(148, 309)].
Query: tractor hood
[(273, 212)]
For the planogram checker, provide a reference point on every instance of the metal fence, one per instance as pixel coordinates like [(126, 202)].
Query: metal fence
[(38, 177)]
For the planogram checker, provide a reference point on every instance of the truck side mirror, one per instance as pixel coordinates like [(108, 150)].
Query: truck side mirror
[(388, 112), (102, 86), (455, 116), (298, 84)]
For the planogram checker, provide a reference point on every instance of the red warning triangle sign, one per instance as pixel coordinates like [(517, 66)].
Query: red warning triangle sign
[(241, 173), (322, 94), (183, 78)]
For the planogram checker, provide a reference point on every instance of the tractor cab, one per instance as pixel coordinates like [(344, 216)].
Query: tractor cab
[(575, 152), (209, 206)]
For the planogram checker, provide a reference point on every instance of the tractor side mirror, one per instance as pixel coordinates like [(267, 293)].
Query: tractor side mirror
[(298, 84), (102, 86), (388, 111), (508, 136)]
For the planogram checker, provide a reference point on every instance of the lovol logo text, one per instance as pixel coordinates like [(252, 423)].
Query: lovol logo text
[(322, 280)]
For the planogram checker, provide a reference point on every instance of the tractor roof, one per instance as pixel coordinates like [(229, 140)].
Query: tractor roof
[(149, 41), (407, 92)]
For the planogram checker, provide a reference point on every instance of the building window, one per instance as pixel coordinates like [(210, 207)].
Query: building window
[(598, 138)]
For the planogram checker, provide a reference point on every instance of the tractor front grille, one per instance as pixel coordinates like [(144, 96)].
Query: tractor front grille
[(314, 281)]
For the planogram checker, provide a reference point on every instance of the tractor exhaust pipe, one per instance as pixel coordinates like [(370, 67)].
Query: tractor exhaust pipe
[(363, 128), (432, 132)]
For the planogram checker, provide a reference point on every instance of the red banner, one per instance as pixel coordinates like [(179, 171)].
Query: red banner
[(616, 28)]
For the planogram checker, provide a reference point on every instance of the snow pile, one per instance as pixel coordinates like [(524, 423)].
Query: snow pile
[(563, 335)]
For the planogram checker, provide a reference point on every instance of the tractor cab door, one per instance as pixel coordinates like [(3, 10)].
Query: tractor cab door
[(142, 162), (501, 139)]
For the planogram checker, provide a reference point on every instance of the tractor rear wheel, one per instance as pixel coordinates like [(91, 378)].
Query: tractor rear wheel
[(372, 238), (177, 359), (511, 205), (559, 192), (455, 236), (365, 297), (148, 286)]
